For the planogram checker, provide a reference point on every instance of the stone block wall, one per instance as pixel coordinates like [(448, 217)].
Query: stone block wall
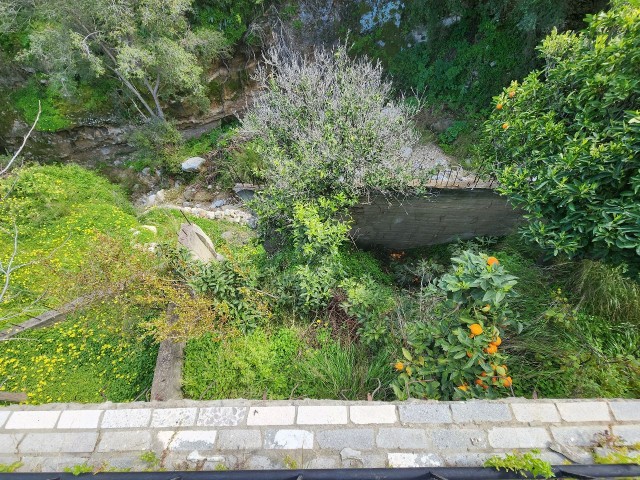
[(240, 434), (444, 216)]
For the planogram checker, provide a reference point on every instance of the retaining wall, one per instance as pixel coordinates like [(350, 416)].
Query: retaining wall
[(308, 434), (444, 216)]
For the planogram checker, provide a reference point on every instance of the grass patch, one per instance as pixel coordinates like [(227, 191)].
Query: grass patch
[(93, 356), (52, 119), (282, 363), (62, 214)]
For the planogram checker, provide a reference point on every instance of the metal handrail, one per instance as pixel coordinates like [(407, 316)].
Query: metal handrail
[(436, 473)]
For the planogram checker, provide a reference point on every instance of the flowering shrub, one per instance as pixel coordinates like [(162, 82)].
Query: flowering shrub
[(453, 349), (88, 358)]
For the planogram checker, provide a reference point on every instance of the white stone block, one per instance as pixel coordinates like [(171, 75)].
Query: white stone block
[(126, 418), (409, 460), (271, 415), (32, 420), (79, 419), (174, 417), (322, 415), (584, 411), (365, 414), (289, 440), (535, 412), (518, 437)]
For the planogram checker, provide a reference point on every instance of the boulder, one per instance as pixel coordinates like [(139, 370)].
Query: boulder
[(199, 244), (192, 164)]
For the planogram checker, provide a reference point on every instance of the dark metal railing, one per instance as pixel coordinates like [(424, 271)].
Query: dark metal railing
[(437, 473)]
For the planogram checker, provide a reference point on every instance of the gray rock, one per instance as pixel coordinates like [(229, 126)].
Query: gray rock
[(218, 203), (198, 243), (192, 164), (350, 454)]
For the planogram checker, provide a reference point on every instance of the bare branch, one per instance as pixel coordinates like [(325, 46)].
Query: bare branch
[(24, 142)]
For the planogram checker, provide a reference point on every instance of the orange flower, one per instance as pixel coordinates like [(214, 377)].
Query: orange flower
[(512, 93), (464, 387), (491, 349), (499, 106), (479, 381), (505, 125), (497, 342), (476, 329), (399, 366), (507, 382), (491, 261)]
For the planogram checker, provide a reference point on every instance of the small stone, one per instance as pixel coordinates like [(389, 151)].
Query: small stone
[(350, 454), (192, 164), (153, 229), (218, 203)]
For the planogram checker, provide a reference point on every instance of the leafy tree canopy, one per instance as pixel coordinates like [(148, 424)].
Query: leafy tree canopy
[(566, 142), (147, 45)]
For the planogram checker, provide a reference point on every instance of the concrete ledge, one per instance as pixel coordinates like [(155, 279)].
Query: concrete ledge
[(313, 434)]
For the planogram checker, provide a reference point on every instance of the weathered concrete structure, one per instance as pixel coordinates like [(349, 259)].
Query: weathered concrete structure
[(444, 216)]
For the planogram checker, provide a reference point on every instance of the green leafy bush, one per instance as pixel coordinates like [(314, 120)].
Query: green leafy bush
[(242, 366), (453, 344), (565, 141)]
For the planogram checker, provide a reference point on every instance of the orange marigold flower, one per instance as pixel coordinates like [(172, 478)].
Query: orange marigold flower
[(464, 388), (399, 366), (505, 125), (507, 382), (491, 349), (499, 106), (491, 261)]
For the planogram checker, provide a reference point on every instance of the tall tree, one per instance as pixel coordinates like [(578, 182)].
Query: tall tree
[(147, 45)]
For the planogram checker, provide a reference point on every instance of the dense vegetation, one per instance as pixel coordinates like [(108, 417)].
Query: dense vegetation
[(295, 309), (574, 127)]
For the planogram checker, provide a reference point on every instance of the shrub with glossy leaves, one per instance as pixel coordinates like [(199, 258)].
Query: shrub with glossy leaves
[(565, 142), (454, 347)]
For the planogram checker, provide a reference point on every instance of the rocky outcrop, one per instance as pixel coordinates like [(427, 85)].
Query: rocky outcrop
[(230, 90)]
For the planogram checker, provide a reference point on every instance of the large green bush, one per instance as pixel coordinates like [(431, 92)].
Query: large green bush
[(565, 142)]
